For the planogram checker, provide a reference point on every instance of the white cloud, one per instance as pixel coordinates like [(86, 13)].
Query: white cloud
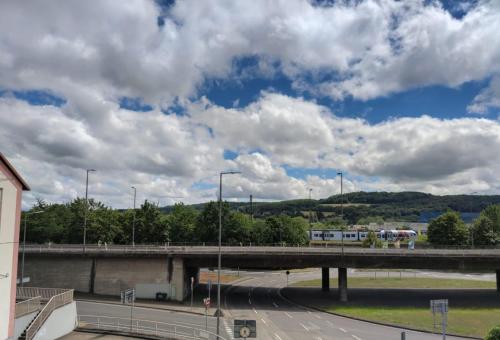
[(370, 48), (488, 98)]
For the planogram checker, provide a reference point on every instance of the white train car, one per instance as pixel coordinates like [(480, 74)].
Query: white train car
[(355, 235)]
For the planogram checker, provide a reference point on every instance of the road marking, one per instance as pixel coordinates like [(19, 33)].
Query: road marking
[(355, 337), (264, 321), (307, 329), (343, 330), (275, 305), (255, 311), (330, 323), (318, 338), (228, 329), (291, 317), (249, 301), (317, 316), (277, 336)]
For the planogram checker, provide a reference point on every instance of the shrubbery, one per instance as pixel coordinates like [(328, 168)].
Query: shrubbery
[(494, 334)]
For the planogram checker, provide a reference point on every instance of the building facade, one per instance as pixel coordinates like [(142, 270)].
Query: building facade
[(11, 188)]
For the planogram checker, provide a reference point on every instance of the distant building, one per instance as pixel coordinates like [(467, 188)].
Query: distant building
[(11, 188)]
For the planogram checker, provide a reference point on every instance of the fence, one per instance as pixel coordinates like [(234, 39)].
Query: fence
[(45, 294), (27, 306), (55, 301), (145, 327)]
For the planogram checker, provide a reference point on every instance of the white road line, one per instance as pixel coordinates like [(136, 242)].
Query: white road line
[(318, 338), (343, 330), (275, 304), (291, 317), (249, 301), (355, 337), (264, 321), (255, 311), (277, 336), (307, 329), (317, 316), (330, 323)]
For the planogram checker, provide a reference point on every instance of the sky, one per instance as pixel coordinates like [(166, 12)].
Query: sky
[(164, 95)]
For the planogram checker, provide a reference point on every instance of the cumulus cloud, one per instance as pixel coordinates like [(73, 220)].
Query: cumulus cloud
[(488, 98), (121, 50)]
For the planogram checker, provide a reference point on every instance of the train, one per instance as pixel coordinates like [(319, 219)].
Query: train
[(355, 235)]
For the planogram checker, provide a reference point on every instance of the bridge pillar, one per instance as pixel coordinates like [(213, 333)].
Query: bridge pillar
[(343, 284), (498, 280), (325, 279)]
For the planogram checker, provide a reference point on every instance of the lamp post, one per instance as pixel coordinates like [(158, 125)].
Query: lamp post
[(133, 221), (310, 215), (341, 210), (24, 241), (86, 208), (220, 254), (471, 228)]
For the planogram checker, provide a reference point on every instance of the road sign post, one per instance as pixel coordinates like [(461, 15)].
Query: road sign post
[(287, 274), (206, 302), (128, 297), (441, 307), (192, 288)]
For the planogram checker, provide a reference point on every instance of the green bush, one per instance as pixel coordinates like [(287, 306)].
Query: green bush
[(370, 239), (494, 334)]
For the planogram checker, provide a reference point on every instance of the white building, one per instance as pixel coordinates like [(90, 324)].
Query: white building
[(11, 188)]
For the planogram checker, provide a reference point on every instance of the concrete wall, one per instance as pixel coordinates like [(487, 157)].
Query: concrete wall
[(10, 207), (61, 322), (23, 322), (58, 272)]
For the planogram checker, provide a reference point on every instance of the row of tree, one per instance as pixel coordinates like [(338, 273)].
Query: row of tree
[(64, 223), (449, 229)]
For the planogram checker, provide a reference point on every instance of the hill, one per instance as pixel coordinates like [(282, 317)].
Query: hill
[(389, 206)]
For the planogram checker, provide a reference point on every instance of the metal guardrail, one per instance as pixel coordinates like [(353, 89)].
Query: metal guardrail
[(145, 327), (28, 306), (256, 250), (45, 294), (55, 302)]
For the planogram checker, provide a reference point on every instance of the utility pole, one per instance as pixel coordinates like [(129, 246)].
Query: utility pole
[(86, 209), (251, 207), (133, 221), (24, 241), (342, 210)]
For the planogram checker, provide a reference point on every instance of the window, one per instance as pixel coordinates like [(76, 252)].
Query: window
[(348, 235)]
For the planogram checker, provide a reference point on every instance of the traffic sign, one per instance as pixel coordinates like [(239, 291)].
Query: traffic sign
[(245, 329), (206, 302), (128, 296)]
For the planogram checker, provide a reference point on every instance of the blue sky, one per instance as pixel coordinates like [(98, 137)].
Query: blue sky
[(397, 96)]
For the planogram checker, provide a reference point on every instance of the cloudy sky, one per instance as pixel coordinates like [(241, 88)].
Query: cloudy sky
[(397, 95)]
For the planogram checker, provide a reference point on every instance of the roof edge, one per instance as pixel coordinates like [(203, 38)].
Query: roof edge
[(11, 168)]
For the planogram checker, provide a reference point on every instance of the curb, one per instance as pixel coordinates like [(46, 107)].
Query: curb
[(111, 332), (370, 321)]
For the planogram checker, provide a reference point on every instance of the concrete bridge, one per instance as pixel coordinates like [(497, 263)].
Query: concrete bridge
[(150, 269)]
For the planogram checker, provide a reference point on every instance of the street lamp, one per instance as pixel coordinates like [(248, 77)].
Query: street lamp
[(133, 221), (219, 257), (24, 240), (341, 210), (310, 217), (86, 208)]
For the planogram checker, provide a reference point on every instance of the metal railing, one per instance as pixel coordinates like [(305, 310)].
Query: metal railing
[(145, 327), (27, 306), (55, 302), (45, 294)]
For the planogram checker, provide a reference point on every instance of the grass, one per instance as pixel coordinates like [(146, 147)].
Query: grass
[(464, 321), (405, 282)]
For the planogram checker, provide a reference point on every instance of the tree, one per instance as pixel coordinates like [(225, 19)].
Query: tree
[(448, 229), (182, 223), (492, 212), (371, 239), (493, 334), (150, 224), (483, 232), (207, 224)]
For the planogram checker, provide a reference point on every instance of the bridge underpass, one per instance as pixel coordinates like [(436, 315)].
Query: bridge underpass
[(109, 269)]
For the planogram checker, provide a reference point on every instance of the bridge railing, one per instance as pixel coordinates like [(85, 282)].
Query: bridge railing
[(28, 306), (145, 327), (45, 294)]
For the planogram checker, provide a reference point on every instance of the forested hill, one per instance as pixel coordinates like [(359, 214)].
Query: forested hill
[(369, 206)]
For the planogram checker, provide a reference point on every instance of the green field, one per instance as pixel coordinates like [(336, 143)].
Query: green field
[(405, 282), (463, 321)]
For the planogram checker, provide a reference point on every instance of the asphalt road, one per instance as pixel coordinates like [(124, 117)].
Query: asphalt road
[(259, 299)]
